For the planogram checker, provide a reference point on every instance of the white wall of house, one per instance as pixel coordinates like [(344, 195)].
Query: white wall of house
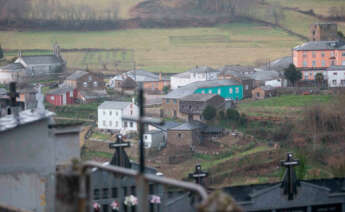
[(148, 140), (112, 119), (277, 83), (176, 81), (336, 78), (6, 76)]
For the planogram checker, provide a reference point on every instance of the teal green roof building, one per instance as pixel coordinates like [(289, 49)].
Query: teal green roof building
[(228, 89)]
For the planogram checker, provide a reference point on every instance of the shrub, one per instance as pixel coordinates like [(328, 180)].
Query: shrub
[(209, 113), (232, 114)]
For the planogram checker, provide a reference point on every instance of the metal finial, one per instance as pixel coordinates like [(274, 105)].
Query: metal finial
[(290, 181)]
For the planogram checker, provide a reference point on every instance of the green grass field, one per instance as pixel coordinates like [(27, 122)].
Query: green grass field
[(154, 50), (282, 106)]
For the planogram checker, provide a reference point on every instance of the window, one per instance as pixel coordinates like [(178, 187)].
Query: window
[(105, 193), (96, 194), (131, 124), (110, 123), (133, 190), (104, 124), (52, 97), (175, 101), (323, 63), (145, 137), (246, 87), (103, 113), (110, 112), (124, 189), (332, 62), (85, 84), (322, 54), (335, 73), (105, 208), (219, 91), (332, 54), (334, 82), (313, 63), (114, 192), (342, 82), (304, 55), (126, 124), (116, 124), (179, 136), (343, 63), (95, 84), (230, 90), (116, 113), (210, 91), (167, 101), (151, 189), (71, 94), (314, 54), (237, 90), (202, 91), (90, 78), (343, 54), (258, 94), (305, 63)]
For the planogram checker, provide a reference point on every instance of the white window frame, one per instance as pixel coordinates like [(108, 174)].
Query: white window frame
[(85, 84), (237, 90), (52, 97), (230, 90)]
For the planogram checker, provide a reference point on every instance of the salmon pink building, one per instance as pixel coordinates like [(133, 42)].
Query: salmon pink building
[(316, 56), (61, 96)]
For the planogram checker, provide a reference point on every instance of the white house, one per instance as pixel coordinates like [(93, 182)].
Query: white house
[(335, 76), (154, 139), (203, 73), (111, 116)]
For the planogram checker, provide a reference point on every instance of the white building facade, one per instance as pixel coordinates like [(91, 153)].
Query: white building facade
[(335, 76), (194, 75), (111, 116)]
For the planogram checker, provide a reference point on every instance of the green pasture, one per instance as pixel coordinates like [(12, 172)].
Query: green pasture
[(154, 50)]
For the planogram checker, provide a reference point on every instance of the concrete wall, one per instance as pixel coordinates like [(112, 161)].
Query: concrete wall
[(27, 160), (67, 145)]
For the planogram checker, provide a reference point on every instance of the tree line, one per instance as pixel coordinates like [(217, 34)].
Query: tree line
[(53, 11)]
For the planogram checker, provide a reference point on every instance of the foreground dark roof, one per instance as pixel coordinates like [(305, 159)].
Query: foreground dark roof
[(242, 193)]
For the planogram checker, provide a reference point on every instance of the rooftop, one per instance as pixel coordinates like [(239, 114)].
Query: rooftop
[(76, 75), (237, 68), (166, 125), (41, 59), (60, 90), (198, 97), (202, 69), (139, 76), (12, 67), (320, 45), (190, 88), (336, 68), (190, 126), (113, 105)]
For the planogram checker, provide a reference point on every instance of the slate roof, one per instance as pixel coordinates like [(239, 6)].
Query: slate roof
[(267, 88), (60, 91), (237, 68), (138, 76), (182, 75), (336, 68), (41, 59), (190, 88), (93, 94), (76, 75), (320, 45), (113, 105), (242, 192), (190, 126), (279, 64), (167, 125), (265, 75), (202, 69), (198, 97), (14, 67)]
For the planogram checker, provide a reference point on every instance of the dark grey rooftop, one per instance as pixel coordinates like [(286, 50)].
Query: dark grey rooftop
[(190, 126), (41, 59), (243, 192), (265, 75), (336, 68), (237, 68), (320, 45), (279, 64), (202, 69), (167, 125), (76, 75), (198, 97), (60, 90), (190, 88)]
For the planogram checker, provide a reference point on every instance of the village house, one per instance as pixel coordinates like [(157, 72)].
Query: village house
[(89, 86), (32, 147), (61, 96), (112, 114), (203, 73), (263, 92), (40, 65), (154, 139), (240, 74), (192, 106), (228, 89), (11, 73), (323, 31), (152, 83), (27, 95), (315, 57), (335, 76)]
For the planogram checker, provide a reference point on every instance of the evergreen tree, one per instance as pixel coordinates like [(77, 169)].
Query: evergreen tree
[(292, 74), (209, 113)]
